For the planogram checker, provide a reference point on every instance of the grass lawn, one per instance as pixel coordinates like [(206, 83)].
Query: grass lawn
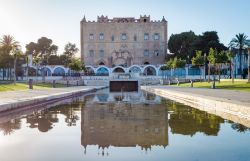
[(238, 85), (23, 86)]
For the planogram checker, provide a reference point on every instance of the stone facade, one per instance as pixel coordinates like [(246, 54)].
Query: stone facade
[(123, 41)]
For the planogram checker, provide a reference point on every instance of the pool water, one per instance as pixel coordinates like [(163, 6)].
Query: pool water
[(134, 126)]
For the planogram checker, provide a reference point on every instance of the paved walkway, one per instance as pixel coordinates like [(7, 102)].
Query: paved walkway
[(238, 97), (13, 99), (229, 104)]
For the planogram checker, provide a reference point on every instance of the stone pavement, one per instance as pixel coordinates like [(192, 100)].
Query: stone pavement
[(229, 104), (14, 99), (238, 97)]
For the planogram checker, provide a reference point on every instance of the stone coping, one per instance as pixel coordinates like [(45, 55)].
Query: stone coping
[(18, 99), (230, 105)]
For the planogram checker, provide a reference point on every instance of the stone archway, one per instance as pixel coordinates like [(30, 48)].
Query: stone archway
[(59, 71), (102, 71), (90, 70), (135, 69), (118, 70), (150, 71)]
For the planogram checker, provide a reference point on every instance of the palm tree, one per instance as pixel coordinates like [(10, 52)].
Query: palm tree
[(16, 53), (239, 42), (9, 41), (12, 47)]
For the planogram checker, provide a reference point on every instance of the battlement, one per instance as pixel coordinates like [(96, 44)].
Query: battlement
[(142, 19)]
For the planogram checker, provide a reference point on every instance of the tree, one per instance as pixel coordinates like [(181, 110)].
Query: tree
[(30, 50), (221, 58), (164, 68), (240, 42), (249, 64), (16, 53), (199, 61), (8, 44), (36, 60), (230, 56), (55, 60), (76, 65), (182, 44), (212, 61), (69, 52), (8, 41), (176, 63), (43, 49), (207, 40)]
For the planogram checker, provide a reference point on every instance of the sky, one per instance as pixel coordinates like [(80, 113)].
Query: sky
[(59, 20)]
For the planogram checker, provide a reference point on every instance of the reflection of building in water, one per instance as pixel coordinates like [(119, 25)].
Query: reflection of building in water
[(132, 97), (124, 125)]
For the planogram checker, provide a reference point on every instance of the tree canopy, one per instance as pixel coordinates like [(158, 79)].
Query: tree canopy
[(185, 44), (69, 53)]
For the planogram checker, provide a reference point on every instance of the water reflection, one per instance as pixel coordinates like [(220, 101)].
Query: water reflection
[(124, 125), (43, 120), (188, 121), (117, 121), (10, 126), (99, 112)]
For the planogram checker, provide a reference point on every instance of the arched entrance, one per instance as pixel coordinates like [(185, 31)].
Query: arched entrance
[(102, 71), (59, 71), (90, 71), (149, 70), (118, 70), (47, 71), (135, 69)]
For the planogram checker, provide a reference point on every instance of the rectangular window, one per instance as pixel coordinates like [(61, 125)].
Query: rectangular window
[(124, 36), (156, 52), (146, 36), (91, 36), (102, 53), (135, 38), (91, 53), (112, 38), (146, 52), (156, 36), (101, 37)]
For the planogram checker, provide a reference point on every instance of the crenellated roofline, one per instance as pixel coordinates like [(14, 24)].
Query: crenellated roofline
[(141, 19)]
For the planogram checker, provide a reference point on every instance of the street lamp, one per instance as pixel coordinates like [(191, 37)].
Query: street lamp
[(205, 63)]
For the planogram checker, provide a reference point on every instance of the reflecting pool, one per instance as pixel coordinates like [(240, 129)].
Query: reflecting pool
[(107, 126)]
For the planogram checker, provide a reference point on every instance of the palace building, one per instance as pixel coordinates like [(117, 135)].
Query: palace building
[(123, 41)]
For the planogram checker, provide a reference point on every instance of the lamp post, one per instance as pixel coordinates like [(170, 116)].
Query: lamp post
[(205, 64), (248, 64)]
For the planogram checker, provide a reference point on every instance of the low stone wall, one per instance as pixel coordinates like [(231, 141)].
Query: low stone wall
[(224, 108), (41, 97)]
